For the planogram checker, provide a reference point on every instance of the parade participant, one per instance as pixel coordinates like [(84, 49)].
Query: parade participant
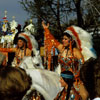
[(16, 35), (2, 60), (68, 92), (14, 83), (28, 84), (70, 56), (30, 29), (22, 49), (90, 75)]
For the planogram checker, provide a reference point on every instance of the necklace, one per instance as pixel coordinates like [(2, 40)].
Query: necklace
[(20, 54), (64, 52)]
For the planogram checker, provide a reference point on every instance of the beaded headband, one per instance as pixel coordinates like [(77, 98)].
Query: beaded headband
[(67, 76)]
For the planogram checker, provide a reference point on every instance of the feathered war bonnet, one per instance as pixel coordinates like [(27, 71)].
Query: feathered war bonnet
[(26, 37), (83, 40), (71, 31)]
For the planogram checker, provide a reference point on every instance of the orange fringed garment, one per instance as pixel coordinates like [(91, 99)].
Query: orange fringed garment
[(7, 49), (50, 41)]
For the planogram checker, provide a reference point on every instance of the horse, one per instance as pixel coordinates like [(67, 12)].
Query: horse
[(44, 81)]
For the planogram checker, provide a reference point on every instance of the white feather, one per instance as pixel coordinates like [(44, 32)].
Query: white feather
[(13, 24), (86, 43), (30, 29)]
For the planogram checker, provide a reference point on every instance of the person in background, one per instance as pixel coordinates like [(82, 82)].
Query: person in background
[(22, 49), (90, 75), (25, 24), (16, 35), (3, 61), (14, 83)]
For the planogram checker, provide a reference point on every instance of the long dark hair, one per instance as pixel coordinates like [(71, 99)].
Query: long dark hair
[(69, 79)]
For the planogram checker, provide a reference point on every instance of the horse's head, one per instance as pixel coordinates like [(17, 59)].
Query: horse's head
[(37, 61), (31, 62)]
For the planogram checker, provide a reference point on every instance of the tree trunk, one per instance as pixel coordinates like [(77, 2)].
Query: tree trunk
[(79, 14), (58, 19)]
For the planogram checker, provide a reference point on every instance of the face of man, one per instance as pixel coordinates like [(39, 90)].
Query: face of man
[(63, 83), (20, 43)]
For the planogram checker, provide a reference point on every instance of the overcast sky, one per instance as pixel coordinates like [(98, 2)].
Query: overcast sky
[(13, 8)]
